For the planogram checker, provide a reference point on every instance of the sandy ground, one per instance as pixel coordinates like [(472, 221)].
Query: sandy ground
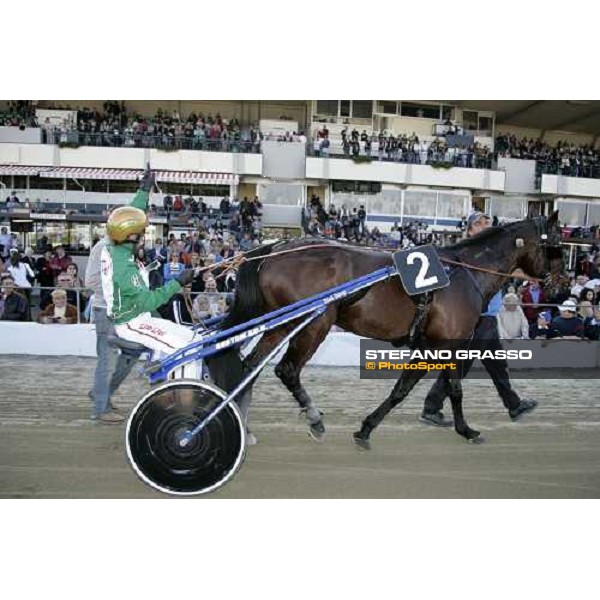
[(49, 448)]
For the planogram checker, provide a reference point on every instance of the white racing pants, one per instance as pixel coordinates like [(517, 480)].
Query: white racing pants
[(161, 336)]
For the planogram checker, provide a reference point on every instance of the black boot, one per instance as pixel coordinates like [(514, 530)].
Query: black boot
[(523, 407), (437, 419)]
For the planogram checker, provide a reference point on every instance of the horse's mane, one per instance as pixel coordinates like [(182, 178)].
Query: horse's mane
[(486, 235)]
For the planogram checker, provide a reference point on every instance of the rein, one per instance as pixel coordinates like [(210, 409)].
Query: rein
[(490, 271)]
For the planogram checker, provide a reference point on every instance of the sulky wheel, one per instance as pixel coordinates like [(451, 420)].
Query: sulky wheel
[(157, 425)]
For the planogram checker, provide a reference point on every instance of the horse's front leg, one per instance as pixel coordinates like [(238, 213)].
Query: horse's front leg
[(454, 390), (403, 386)]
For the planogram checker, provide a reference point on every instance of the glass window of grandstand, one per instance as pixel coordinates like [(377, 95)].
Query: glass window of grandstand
[(19, 183), (387, 107), (512, 209), (485, 125), (572, 214), (344, 108), (327, 108), (98, 231), (90, 185), (362, 109), (448, 112), (281, 193), (422, 111), (451, 206), (46, 183), (470, 120), (116, 186), (57, 233), (389, 202), (420, 204), (80, 237), (593, 214)]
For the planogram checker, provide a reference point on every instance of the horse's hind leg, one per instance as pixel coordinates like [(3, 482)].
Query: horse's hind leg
[(454, 390), (403, 386), (299, 352)]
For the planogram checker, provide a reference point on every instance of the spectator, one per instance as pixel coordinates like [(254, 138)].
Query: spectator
[(178, 204), (59, 311), (15, 305), (587, 294), (141, 257), (591, 325), (20, 271), (6, 243), (585, 310), (173, 268), (568, 324), (72, 271), (45, 276), (225, 205), (210, 303), (362, 217), (64, 281), (532, 294), (179, 308), (60, 261), (512, 323)]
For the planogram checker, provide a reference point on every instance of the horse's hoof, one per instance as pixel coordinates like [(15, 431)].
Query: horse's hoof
[(361, 442), (317, 431), (478, 439)]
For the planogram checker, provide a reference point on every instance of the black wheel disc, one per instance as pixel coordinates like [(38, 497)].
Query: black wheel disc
[(160, 421)]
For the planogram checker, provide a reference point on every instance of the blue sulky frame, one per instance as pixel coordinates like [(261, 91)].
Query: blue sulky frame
[(213, 342)]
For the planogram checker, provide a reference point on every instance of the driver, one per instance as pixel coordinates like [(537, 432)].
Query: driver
[(488, 338), (129, 300)]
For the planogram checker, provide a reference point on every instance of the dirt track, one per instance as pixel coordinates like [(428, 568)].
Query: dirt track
[(50, 449)]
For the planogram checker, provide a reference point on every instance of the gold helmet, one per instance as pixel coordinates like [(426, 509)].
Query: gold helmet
[(125, 221)]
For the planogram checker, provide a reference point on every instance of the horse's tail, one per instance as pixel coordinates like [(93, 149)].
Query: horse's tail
[(248, 301), (227, 368)]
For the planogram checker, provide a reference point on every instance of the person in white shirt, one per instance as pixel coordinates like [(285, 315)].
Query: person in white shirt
[(20, 271), (512, 323), (6, 241)]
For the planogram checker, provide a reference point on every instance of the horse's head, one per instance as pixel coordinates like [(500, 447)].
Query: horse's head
[(539, 251)]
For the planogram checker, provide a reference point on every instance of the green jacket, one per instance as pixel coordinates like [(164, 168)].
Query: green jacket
[(125, 286)]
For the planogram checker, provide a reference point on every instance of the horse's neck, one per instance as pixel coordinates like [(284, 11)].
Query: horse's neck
[(500, 260)]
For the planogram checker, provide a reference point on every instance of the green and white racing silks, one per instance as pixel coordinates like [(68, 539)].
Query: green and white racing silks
[(125, 288)]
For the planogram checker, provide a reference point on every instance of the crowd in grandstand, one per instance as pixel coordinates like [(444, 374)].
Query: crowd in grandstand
[(563, 159), (570, 309), (114, 126), (47, 287), (406, 148)]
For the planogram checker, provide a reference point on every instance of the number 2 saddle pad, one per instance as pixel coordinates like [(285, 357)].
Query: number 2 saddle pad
[(420, 269)]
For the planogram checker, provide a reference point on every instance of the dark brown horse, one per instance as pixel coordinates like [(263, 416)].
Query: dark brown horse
[(384, 311)]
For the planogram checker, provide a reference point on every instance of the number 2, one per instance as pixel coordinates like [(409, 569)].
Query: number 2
[(420, 280)]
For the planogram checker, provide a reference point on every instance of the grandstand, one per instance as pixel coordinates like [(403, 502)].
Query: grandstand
[(430, 162)]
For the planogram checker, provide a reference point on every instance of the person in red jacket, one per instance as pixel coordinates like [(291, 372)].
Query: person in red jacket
[(59, 262), (533, 294)]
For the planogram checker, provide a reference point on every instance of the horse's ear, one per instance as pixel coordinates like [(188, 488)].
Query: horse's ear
[(553, 219)]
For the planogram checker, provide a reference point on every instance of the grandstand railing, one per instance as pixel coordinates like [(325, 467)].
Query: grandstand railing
[(84, 296), (125, 139), (470, 160)]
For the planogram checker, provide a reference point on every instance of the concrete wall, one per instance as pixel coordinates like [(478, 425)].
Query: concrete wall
[(283, 160), (570, 186), (339, 348), (457, 177), (520, 175), (16, 135), (130, 158)]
